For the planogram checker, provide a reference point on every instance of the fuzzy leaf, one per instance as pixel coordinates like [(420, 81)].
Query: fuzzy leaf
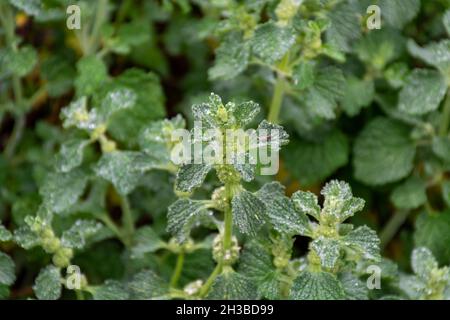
[(436, 54), (7, 270), (328, 251), (5, 234), (117, 100), (248, 212), (147, 285), (21, 62), (383, 152), (182, 215), (271, 42), (191, 176), (48, 284), (316, 286), (422, 93), (307, 203), (231, 285), (354, 288), (399, 12), (61, 190), (77, 234), (70, 155), (365, 241), (232, 58), (357, 95), (423, 262), (145, 240), (25, 238), (92, 73), (410, 195), (111, 290)]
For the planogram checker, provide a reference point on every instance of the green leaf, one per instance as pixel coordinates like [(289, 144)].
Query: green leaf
[(410, 195), (70, 155), (25, 238), (383, 152), (145, 240), (231, 285), (5, 234), (365, 242), (398, 13), (232, 58), (21, 62), (182, 215), (307, 203), (316, 286), (256, 264), (59, 75), (433, 232), (4, 292), (310, 162), (92, 73), (380, 47), (446, 21), (344, 29), (124, 169), (441, 148), (357, 95), (30, 7), (248, 212), (126, 124), (147, 285), (271, 42), (110, 290), (245, 112), (191, 176), (422, 93), (48, 284), (79, 232), (436, 54), (328, 251), (61, 190), (423, 262), (76, 115), (304, 75), (115, 101), (354, 288), (7, 270), (339, 203)]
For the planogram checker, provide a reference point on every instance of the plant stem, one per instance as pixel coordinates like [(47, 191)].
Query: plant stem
[(100, 17), (277, 101), (79, 294), (393, 225), (228, 220), (205, 288), (113, 227), (445, 120), (127, 217), (177, 272)]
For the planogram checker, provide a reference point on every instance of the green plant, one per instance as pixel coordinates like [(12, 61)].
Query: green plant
[(94, 206)]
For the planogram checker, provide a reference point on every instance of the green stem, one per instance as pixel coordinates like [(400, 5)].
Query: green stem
[(177, 272), (113, 227), (79, 294), (277, 101), (228, 220), (393, 225), (100, 18), (127, 217), (445, 120), (205, 288)]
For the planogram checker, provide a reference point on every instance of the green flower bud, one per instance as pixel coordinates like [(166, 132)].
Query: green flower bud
[(62, 257), (229, 256)]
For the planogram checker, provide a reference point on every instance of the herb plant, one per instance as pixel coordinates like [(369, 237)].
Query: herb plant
[(93, 204)]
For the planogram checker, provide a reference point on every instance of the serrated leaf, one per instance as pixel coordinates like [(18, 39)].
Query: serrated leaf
[(147, 285), (116, 100), (48, 284), (410, 195), (399, 12), (271, 42), (5, 234), (7, 270), (365, 241), (77, 115), (436, 54), (306, 202), (92, 73), (304, 75), (379, 47), (231, 285), (310, 162), (383, 152), (79, 232), (357, 95), (328, 251), (61, 190), (21, 62), (256, 264), (272, 133), (124, 169), (191, 176), (70, 155), (422, 92), (232, 58), (344, 29), (145, 240), (25, 238), (110, 290), (423, 262), (316, 286), (433, 232), (354, 288), (248, 212), (182, 215), (245, 112)]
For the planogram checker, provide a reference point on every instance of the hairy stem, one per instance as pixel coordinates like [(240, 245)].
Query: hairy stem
[(445, 120), (205, 288), (178, 268), (277, 101), (393, 225), (228, 220)]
